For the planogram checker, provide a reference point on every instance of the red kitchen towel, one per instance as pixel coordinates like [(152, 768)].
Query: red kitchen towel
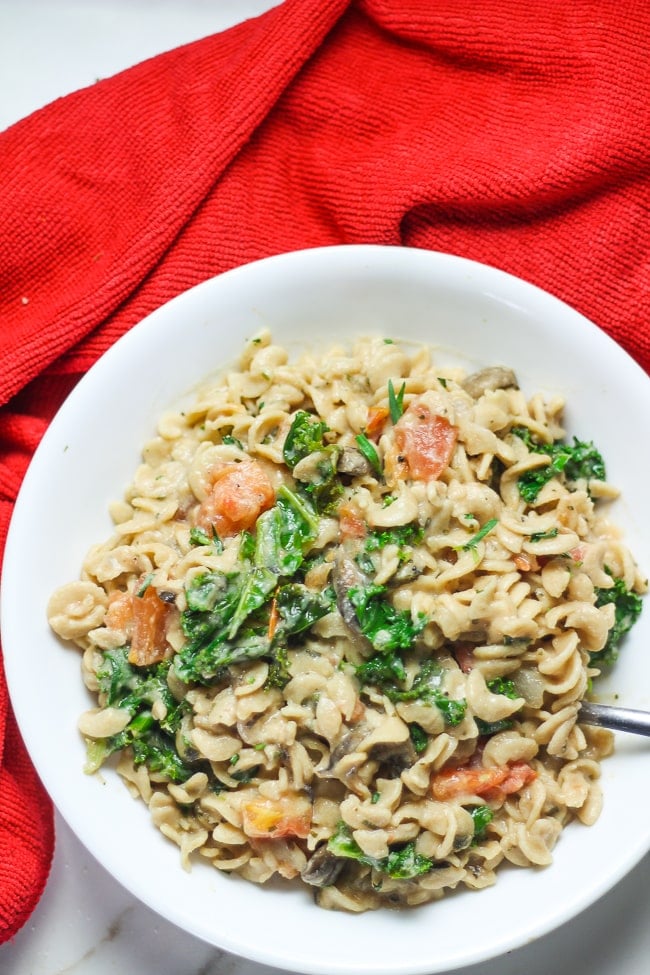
[(509, 132)]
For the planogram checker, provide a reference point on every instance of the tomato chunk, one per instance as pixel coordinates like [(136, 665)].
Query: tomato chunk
[(494, 782), (119, 615), (351, 524), (148, 639), (274, 819), (240, 493), (426, 441), (377, 416)]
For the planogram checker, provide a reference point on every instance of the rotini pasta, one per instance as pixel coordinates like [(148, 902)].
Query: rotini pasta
[(342, 629)]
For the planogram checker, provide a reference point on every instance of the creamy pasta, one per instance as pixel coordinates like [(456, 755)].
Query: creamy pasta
[(343, 626)]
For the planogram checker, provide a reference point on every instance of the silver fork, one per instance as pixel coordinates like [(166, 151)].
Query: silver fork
[(615, 718)]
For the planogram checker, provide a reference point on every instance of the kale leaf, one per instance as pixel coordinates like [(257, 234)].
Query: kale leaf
[(385, 627), (401, 863), (304, 437), (580, 461), (222, 621), (627, 611), (482, 817), (136, 690)]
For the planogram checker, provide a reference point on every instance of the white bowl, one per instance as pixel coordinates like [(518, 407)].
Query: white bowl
[(474, 316)]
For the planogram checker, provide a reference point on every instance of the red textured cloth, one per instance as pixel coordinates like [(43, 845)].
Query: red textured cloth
[(509, 132)]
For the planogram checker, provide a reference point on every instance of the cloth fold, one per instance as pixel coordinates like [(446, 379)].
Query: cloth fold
[(508, 133)]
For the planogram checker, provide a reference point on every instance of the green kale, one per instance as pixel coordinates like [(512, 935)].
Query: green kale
[(582, 461), (427, 688), (304, 437), (492, 727), (503, 685), (401, 535), (256, 586), (133, 688), (419, 737), (279, 674), (200, 537), (136, 690), (385, 671), (246, 775), (385, 627), (627, 611), (227, 619), (284, 533), (158, 752), (402, 863), (325, 488), (498, 685), (382, 670), (300, 607), (482, 817)]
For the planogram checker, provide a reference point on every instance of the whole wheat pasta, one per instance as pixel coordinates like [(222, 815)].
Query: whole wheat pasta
[(344, 624)]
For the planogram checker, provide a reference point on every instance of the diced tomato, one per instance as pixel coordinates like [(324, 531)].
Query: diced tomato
[(148, 640), (240, 493), (426, 441), (274, 819), (493, 782), (351, 524), (377, 416), (520, 774), (119, 615)]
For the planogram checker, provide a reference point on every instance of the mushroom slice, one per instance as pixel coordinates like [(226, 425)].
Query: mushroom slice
[(351, 461), (322, 868), (488, 379), (346, 576)]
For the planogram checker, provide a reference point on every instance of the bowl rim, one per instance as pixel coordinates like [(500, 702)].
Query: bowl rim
[(502, 286)]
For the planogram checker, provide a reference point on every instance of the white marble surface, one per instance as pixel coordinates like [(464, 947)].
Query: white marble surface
[(86, 924)]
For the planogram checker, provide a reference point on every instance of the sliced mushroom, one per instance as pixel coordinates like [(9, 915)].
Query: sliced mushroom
[(322, 868), (351, 461), (345, 576), (491, 378)]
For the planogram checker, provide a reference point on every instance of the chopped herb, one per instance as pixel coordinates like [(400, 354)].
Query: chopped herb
[(231, 441), (146, 582), (369, 451), (374, 799), (395, 401), (198, 536), (541, 536), (480, 535), (442, 381)]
